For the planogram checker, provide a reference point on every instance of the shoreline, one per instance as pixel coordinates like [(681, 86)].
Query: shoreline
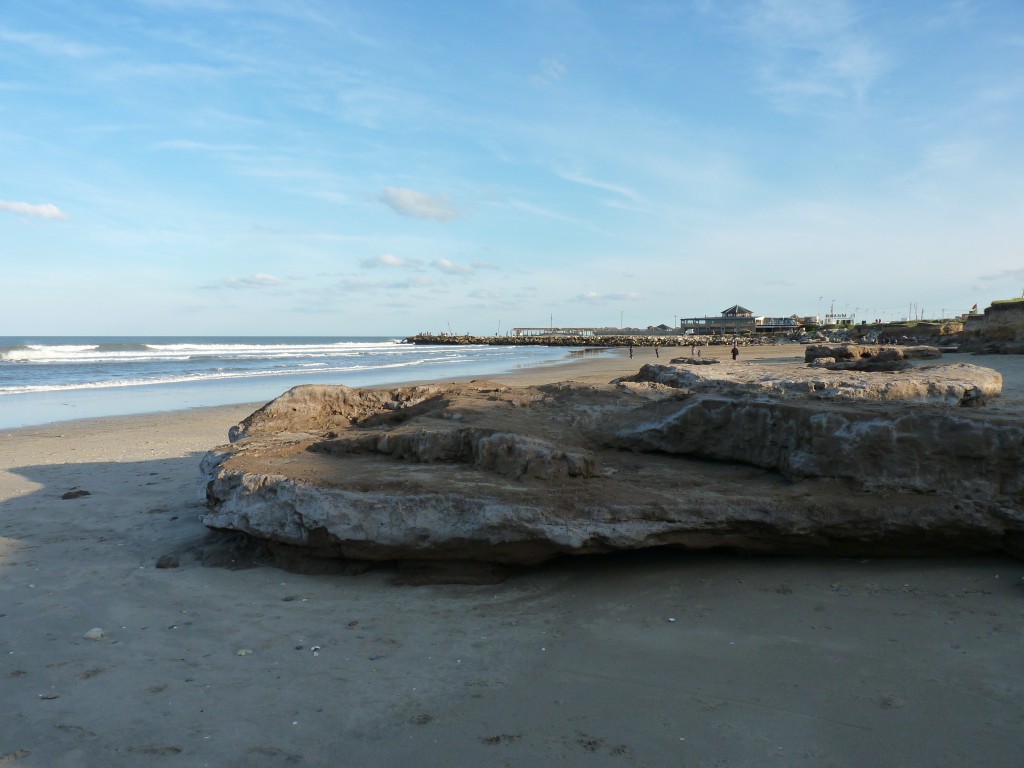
[(648, 658), (50, 406), (591, 366), (580, 365)]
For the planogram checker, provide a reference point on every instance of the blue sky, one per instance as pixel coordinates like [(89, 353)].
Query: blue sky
[(320, 167)]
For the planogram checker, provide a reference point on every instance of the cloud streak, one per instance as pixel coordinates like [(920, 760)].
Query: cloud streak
[(257, 281), (392, 261), (48, 45), (36, 210), (593, 297), (813, 49), (552, 71), (418, 205), (606, 186)]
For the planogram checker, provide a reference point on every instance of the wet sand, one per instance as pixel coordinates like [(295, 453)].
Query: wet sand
[(643, 659)]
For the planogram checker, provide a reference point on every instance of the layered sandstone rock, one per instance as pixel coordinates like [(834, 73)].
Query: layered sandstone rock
[(483, 472), (999, 330), (952, 384)]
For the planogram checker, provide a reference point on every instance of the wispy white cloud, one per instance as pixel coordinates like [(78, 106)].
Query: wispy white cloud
[(450, 267), (813, 48), (551, 71), (593, 297), (352, 283), (618, 189), (50, 45), (390, 260), (1005, 276), (174, 71), (951, 155), (187, 145), (37, 210), (256, 281), (955, 13), (537, 210), (418, 205), (189, 5)]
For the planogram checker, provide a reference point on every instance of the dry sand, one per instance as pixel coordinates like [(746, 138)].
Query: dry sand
[(646, 659)]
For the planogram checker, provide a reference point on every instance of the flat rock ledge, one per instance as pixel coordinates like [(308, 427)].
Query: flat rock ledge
[(936, 384), (496, 474)]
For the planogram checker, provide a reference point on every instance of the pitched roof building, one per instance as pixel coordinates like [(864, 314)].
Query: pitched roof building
[(737, 311)]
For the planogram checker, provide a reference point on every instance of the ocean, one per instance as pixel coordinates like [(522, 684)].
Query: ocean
[(51, 379)]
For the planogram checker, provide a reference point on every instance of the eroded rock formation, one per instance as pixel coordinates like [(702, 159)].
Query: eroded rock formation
[(952, 384), (999, 330), (856, 352), (484, 472)]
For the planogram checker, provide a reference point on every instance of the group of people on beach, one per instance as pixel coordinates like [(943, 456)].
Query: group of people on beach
[(735, 351), (657, 348), (693, 348)]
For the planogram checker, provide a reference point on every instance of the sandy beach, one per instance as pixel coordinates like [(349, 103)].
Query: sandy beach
[(643, 659)]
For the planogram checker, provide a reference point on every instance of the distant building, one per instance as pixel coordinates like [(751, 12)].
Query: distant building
[(737, 311), (835, 318), (736, 320), (776, 323)]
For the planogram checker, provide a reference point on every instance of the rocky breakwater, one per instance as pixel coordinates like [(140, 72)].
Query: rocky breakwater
[(563, 340), (681, 456)]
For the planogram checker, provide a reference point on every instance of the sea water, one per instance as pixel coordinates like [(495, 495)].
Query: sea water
[(47, 379)]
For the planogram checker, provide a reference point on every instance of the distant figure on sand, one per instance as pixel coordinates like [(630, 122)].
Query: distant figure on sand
[(656, 351), (735, 352), (631, 350)]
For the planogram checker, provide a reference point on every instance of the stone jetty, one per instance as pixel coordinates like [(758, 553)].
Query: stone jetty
[(638, 339)]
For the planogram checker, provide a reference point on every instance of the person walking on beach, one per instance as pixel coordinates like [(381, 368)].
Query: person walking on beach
[(631, 350), (735, 353), (656, 351)]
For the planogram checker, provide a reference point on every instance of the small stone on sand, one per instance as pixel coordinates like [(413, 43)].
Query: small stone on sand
[(168, 561)]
